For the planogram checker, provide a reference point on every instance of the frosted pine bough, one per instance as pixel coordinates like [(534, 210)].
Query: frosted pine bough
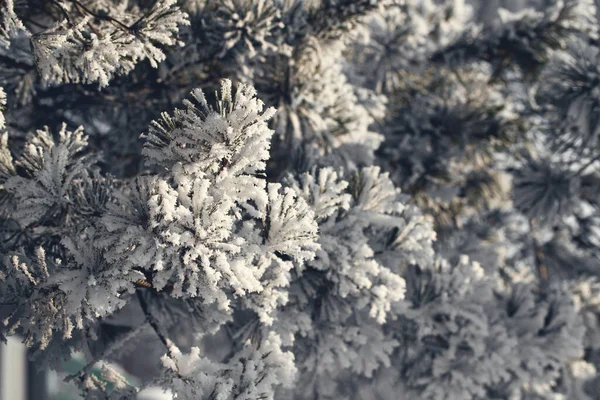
[(209, 208), (92, 42), (206, 226)]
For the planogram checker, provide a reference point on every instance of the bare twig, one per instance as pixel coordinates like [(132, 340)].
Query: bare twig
[(586, 166), (151, 319), (540, 257), (63, 12), (108, 18), (106, 353)]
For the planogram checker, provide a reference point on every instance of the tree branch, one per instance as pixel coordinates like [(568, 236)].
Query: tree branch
[(108, 18), (540, 257), (151, 319), (106, 353)]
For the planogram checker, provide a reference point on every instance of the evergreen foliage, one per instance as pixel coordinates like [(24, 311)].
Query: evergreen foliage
[(303, 199)]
